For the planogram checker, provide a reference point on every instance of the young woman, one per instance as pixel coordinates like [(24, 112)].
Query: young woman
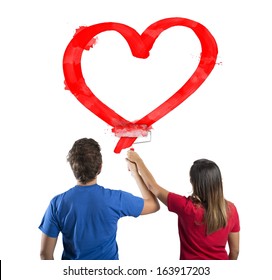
[(207, 222)]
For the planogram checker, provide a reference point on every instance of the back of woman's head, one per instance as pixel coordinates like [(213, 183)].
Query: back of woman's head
[(206, 180), (205, 177), (85, 159)]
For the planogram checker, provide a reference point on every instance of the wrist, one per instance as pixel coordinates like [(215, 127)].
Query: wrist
[(139, 162), (134, 173)]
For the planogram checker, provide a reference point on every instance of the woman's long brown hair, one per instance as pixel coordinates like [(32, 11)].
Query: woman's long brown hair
[(207, 185)]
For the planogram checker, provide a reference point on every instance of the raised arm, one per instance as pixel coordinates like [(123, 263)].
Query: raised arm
[(151, 203), (147, 177)]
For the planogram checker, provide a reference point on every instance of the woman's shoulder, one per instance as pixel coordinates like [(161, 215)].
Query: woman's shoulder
[(177, 196), (231, 207), (188, 202), (230, 204)]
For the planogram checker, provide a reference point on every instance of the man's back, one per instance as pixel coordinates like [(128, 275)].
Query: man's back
[(87, 216)]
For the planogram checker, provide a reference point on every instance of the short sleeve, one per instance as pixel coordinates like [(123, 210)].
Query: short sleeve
[(234, 219), (176, 203), (49, 224), (130, 205)]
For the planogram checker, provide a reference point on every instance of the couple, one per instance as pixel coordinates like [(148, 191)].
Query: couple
[(87, 214)]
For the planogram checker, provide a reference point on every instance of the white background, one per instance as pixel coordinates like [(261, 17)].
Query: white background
[(228, 119)]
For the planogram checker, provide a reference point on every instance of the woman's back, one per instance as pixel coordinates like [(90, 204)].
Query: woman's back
[(195, 243)]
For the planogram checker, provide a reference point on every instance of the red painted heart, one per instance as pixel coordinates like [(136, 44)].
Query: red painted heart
[(140, 46)]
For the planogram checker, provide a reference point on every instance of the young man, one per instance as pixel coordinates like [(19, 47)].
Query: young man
[(87, 214)]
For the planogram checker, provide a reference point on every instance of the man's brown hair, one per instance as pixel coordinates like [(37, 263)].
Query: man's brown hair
[(85, 159)]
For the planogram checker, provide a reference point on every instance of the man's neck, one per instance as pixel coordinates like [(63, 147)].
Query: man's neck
[(89, 183)]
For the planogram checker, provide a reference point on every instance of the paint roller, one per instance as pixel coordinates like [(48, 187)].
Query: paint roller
[(132, 130)]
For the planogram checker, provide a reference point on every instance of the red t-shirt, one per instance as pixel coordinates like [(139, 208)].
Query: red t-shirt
[(194, 243)]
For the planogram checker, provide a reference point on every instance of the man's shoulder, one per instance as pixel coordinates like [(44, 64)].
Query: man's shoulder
[(58, 197), (118, 193)]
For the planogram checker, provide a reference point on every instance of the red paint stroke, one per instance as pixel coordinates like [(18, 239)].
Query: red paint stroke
[(140, 45), (131, 130)]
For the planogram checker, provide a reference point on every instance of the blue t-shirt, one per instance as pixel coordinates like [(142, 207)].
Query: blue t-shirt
[(87, 218)]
